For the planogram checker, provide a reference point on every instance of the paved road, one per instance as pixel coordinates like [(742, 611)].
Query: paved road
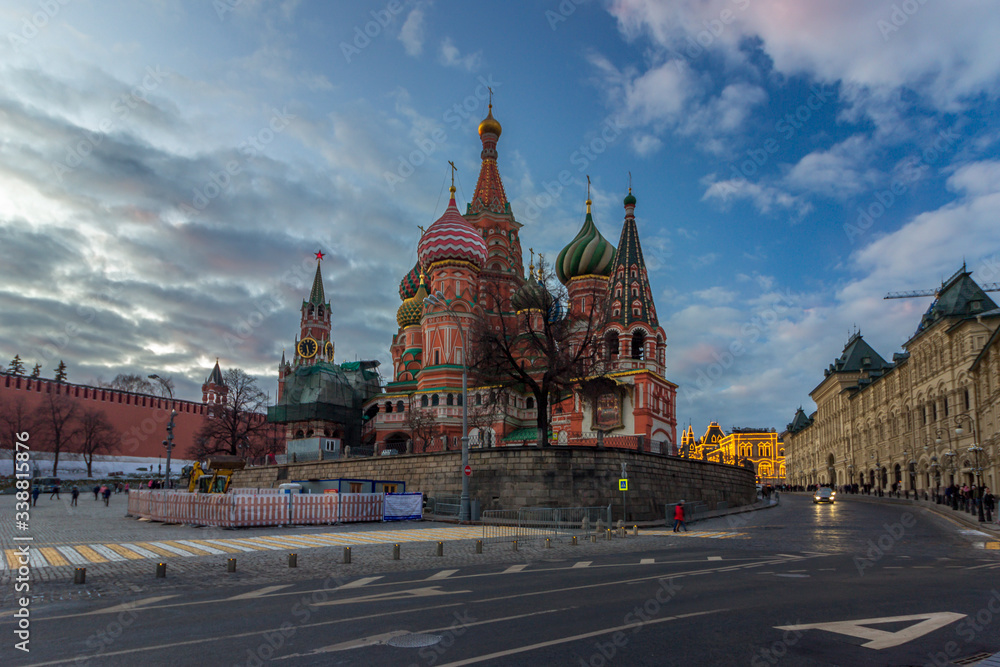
[(660, 599)]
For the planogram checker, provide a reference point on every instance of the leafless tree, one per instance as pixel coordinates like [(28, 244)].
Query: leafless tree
[(487, 407), (137, 384), (238, 423), (56, 425), (95, 435), (15, 417), (422, 425), (537, 346)]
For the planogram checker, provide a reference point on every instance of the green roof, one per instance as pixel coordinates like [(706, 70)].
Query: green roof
[(523, 435)]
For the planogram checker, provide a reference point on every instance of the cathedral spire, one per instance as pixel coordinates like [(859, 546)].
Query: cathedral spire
[(489, 194), (630, 299)]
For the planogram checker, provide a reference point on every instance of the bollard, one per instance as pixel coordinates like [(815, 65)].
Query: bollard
[(347, 555), (593, 538), (161, 570), (479, 546), (440, 549), (607, 534), (548, 543), (80, 575), (635, 531), (231, 565), (293, 560), (395, 552), (514, 543), (574, 541)]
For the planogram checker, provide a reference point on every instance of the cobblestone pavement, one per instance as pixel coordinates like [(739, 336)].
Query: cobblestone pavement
[(120, 553)]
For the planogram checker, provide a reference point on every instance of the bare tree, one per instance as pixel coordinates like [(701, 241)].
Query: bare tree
[(422, 425), (95, 434), (238, 423), (14, 418), (536, 345), (56, 424), (486, 409), (137, 384)]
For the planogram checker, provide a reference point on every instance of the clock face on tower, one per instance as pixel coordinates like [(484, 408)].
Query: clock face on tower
[(307, 348), (328, 350)]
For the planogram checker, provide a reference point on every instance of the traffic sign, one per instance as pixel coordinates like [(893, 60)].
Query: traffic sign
[(468, 471), (623, 484)]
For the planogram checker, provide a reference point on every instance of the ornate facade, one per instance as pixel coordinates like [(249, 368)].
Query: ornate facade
[(474, 261), (917, 421), (755, 448)]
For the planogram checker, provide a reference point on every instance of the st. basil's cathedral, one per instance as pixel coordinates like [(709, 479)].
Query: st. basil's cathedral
[(471, 261)]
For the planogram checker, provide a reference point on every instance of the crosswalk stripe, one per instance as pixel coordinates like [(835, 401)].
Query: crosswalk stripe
[(258, 542), (647, 561), (107, 553), (171, 549), (586, 563), (223, 548), (128, 554), (191, 550), (72, 556), (158, 551), (142, 551), (90, 554), (516, 568), (193, 545), (54, 557), (715, 558), (443, 574), (232, 545), (12, 561), (37, 558)]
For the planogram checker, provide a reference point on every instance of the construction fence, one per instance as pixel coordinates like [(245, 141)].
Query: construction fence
[(530, 523), (259, 507)]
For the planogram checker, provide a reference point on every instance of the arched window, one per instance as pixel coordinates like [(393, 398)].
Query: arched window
[(639, 345), (423, 401), (530, 403), (450, 399), (321, 311), (309, 433), (437, 358), (388, 407), (479, 399), (399, 406), (435, 400), (611, 344), (299, 434)]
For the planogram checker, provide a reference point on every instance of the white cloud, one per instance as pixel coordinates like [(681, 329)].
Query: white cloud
[(452, 57), (412, 32), (765, 197), (836, 172)]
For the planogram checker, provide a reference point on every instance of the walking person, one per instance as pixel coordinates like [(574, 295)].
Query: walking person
[(76, 495), (55, 491), (679, 517), (97, 490), (35, 492), (106, 492)]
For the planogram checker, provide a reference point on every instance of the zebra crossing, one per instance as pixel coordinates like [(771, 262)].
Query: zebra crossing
[(711, 534), (109, 552)]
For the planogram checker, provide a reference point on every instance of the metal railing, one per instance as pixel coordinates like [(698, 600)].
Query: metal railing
[(444, 505), (530, 523)]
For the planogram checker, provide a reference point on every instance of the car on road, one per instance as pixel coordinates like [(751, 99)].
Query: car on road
[(824, 495)]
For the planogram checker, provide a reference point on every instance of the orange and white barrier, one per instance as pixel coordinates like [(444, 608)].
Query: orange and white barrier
[(360, 507), (313, 509)]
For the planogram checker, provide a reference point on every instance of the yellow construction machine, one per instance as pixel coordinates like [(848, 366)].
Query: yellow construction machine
[(215, 476)]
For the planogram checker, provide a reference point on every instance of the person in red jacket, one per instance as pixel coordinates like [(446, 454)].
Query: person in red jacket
[(679, 517)]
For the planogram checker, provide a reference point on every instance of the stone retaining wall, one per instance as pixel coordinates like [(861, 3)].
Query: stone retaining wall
[(512, 477)]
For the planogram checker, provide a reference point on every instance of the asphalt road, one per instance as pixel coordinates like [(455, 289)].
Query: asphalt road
[(889, 584)]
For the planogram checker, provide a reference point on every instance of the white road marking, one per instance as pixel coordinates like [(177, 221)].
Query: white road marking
[(443, 574), (880, 639), (409, 594), (643, 561), (715, 558), (106, 552), (145, 553), (72, 556), (515, 568), (195, 545), (582, 563), (260, 592), (231, 545), (171, 549), (359, 583), (129, 606)]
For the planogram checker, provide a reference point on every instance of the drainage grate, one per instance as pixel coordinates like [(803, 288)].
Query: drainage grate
[(414, 640), (971, 659)]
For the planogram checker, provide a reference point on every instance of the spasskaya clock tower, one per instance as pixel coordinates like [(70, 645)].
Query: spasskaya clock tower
[(314, 343)]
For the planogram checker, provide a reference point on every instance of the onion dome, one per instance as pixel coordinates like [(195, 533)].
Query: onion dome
[(451, 237), (587, 254), (410, 282), (532, 295), (411, 310), (490, 125), (629, 199)]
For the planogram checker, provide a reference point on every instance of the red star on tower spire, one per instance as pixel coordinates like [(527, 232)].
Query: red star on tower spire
[(320, 254)]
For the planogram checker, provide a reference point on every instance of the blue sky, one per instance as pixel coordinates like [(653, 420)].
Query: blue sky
[(168, 168)]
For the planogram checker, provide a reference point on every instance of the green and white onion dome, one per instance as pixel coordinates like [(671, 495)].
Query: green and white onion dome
[(587, 254)]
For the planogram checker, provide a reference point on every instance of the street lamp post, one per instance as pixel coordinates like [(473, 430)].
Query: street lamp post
[(438, 300), (163, 383), (977, 450), (169, 444)]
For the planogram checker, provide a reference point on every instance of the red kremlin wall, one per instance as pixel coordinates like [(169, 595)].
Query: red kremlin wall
[(140, 419)]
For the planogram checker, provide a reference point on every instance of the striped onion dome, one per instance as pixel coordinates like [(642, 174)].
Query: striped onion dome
[(587, 254), (412, 309), (451, 237), (410, 282)]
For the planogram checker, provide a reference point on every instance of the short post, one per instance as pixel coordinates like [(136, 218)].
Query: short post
[(607, 534), (80, 575), (574, 541), (479, 546), (347, 555), (593, 537), (548, 543), (161, 570), (231, 565), (395, 552), (440, 549), (635, 531), (293, 560), (514, 543)]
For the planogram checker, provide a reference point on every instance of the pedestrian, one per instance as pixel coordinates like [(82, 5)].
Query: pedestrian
[(76, 495), (126, 488), (97, 490), (679, 517), (55, 491), (106, 492), (35, 492)]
